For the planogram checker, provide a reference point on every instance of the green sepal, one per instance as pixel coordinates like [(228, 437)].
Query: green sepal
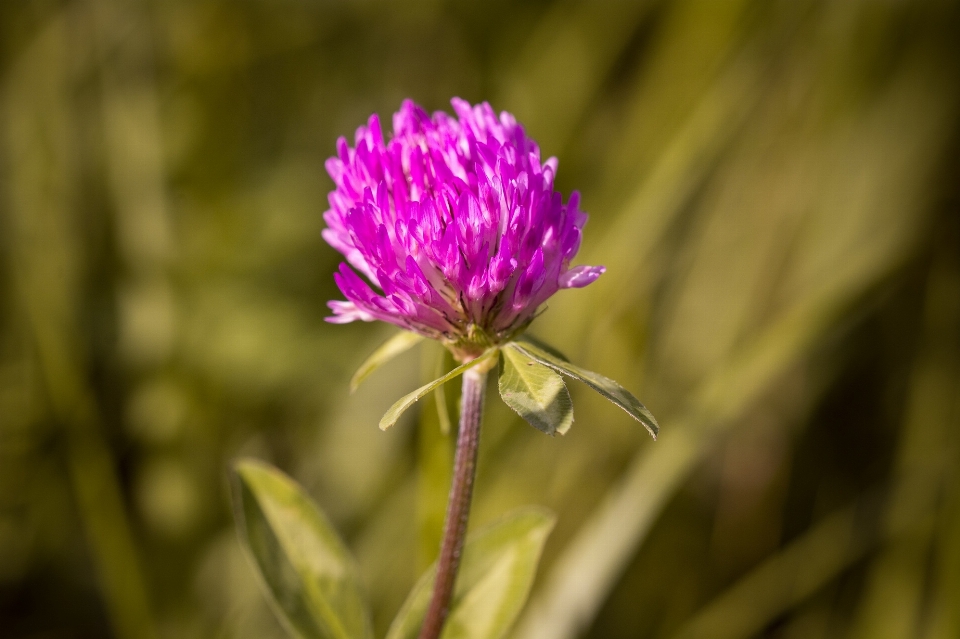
[(535, 392), (306, 570), (603, 385), (496, 573), (399, 343), (394, 412)]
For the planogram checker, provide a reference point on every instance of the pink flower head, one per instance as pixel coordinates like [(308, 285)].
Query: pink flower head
[(455, 221)]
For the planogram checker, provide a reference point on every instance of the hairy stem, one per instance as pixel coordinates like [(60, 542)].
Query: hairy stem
[(458, 506)]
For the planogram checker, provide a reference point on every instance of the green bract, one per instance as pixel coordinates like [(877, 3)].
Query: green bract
[(530, 383)]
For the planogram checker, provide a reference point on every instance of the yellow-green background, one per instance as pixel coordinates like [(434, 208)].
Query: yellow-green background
[(773, 186)]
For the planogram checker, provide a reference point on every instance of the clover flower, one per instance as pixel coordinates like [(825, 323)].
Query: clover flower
[(456, 221)]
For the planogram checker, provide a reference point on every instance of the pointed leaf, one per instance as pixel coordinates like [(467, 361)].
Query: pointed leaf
[(397, 344), (536, 392), (307, 571), (393, 414), (496, 573), (603, 385), (544, 346)]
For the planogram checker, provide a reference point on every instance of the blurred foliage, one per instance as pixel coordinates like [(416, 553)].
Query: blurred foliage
[(773, 187)]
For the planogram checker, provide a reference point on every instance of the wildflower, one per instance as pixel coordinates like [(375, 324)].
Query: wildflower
[(456, 221)]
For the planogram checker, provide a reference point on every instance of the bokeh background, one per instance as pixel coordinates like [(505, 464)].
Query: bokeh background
[(773, 186)]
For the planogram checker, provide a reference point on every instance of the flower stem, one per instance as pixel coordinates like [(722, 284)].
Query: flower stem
[(458, 506)]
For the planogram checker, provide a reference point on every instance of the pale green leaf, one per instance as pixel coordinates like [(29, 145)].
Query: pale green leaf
[(440, 394), (393, 414), (603, 385), (434, 465), (496, 573), (544, 346), (306, 569), (536, 392), (397, 344)]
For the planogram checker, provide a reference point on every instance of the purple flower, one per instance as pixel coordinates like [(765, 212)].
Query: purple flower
[(456, 221)]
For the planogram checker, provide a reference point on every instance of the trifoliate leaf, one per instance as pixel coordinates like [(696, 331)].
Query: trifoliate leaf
[(536, 392), (603, 385)]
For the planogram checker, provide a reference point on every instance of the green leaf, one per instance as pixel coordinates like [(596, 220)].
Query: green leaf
[(440, 394), (397, 344), (603, 385), (307, 571), (536, 392), (434, 469), (393, 414), (496, 573), (544, 346)]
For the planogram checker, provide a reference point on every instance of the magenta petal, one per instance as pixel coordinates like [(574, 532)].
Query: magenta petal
[(344, 312), (580, 276)]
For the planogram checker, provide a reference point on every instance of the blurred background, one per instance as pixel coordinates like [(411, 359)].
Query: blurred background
[(773, 186)]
